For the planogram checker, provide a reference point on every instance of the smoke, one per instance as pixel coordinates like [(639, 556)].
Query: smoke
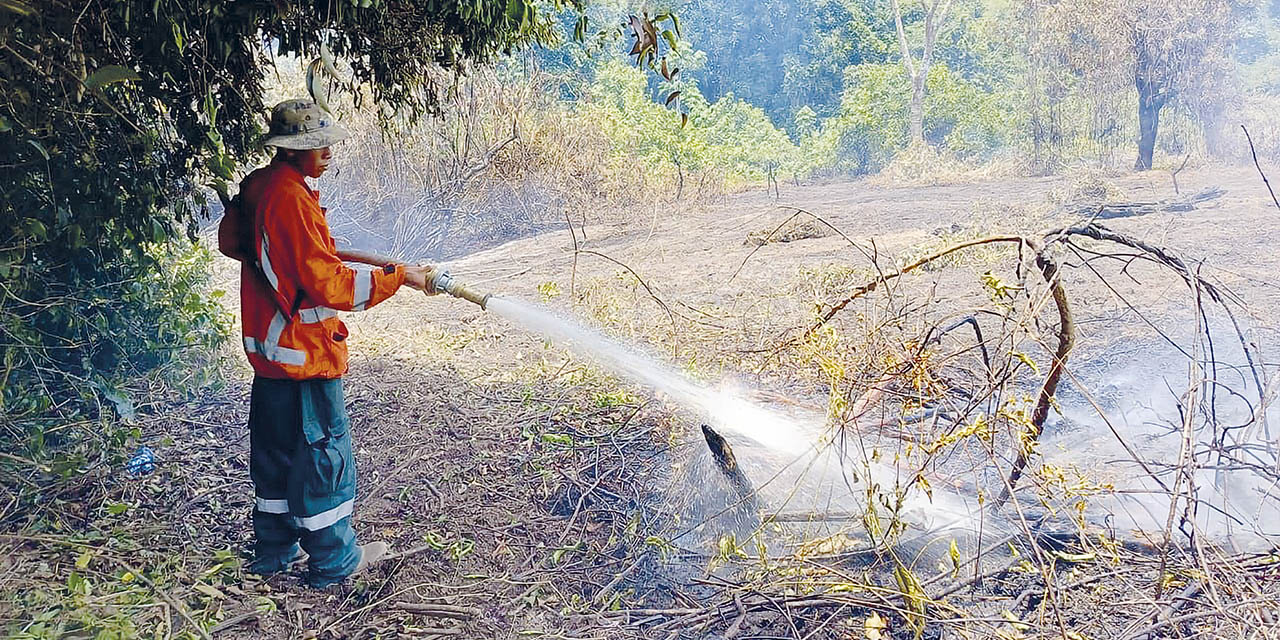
[(797, 467), (1167, 428), (822, 481)]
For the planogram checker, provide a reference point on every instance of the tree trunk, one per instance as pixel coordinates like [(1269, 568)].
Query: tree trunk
[(1153, 79), (917, 107), (1148, 124)]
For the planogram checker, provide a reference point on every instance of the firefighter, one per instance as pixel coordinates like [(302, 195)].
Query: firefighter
[(292, 286)]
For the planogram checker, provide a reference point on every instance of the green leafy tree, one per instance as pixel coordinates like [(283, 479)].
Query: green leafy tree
[(114, 112), (782, 56), (747, 44), (842, 33), (874, 123), (728, 137)]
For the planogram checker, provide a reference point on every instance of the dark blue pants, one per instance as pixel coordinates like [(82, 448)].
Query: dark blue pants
[(304, 478)]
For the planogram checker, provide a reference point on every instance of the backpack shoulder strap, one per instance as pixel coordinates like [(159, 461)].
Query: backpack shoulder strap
[(236, 240)]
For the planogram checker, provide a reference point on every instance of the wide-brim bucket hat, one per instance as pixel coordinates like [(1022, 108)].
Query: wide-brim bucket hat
[(302, 124)]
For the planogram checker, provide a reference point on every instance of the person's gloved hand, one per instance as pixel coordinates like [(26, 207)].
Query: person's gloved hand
[(419, 277), (429, 287)]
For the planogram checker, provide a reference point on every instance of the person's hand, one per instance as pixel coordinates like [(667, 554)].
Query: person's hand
[(419, 278)]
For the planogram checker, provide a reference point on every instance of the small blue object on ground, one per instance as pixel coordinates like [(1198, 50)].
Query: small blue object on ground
[(143, 462)]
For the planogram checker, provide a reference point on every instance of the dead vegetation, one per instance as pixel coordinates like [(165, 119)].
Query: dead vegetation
[(1108, 210), (790, 231), (509, 508), (980, 406), (506, 160), (527, 493)]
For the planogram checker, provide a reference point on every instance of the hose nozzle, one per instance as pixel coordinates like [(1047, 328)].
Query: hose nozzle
[(442, 281)]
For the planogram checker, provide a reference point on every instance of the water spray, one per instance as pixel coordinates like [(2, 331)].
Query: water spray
[(779, 437)]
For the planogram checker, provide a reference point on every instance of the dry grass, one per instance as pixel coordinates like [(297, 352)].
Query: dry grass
[(796, 229), (543, 487), (923, 165)]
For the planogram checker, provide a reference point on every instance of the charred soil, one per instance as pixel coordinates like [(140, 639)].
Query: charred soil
[(526, 493)]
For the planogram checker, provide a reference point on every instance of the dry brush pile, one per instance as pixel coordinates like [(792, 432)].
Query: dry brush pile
[(506, 158), (954, 387)]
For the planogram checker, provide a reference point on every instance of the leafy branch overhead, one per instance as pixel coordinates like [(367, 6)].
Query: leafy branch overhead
[(646, 48), (651, 35), (115, 114)]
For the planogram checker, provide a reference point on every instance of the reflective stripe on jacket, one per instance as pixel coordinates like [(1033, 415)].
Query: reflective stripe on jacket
[(289, 309)]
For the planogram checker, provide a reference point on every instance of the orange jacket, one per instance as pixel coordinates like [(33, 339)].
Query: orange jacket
[(289, 299)]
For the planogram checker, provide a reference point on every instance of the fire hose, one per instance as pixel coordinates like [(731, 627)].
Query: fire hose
[(437, 278)]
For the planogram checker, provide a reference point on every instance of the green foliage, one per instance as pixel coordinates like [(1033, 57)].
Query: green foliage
[(843, 33), (783, 55), (114, 113), (1017, 77), (734, 35), (729, 137), (74, 609), (98, 596), (871, 126), (89, 330)]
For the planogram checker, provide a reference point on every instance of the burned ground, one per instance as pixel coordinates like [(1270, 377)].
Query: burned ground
[(527, 493)]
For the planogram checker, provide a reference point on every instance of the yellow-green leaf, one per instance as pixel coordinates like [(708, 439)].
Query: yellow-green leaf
[(1075, 557), (1025, 360), (110, 74), (954, 552), (557, 438), (874, 627), (265, 605), (670, 38), (210, 591), (17, 6)]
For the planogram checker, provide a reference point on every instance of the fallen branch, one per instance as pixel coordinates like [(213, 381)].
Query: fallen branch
[(884, 279), (1112, 210), (234, 621), (438, 610), (728, 465)]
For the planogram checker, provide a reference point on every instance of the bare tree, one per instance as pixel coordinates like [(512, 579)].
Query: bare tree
[(935, 14), (1164, 49)]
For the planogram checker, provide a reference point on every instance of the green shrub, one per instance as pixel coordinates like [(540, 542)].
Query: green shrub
[(871, 126), (113, 114), (729, 137), (83, 335)]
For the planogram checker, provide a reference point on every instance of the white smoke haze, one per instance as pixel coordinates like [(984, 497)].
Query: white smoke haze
[(818, 482), (815, 482), (790, 458), (1235, 502)]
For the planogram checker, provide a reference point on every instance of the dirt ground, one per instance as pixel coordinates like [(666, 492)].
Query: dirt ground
[(525, 492)]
